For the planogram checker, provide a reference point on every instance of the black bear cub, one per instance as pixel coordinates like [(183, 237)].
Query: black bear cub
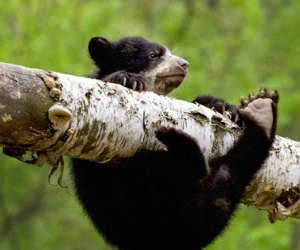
[(137, 64), (174, 199)]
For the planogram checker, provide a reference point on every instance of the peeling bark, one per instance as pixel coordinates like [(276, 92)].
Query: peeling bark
[(22, 94), (51, 114)]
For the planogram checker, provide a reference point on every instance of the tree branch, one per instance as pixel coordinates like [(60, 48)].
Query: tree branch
[(51, 114)]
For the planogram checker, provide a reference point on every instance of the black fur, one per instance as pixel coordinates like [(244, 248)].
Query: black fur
[(169, 200), (132, 54), (218, 105)]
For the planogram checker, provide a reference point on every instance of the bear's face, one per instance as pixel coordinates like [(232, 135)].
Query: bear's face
[(163, 70), (167, 74)]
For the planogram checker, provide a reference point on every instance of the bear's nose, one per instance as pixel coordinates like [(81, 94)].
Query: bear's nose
[(183, 63)]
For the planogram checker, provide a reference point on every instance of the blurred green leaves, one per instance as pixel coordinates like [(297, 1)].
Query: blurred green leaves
[(233, 46)]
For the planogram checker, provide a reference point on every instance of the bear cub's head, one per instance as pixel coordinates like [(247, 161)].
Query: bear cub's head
[(163, 70)]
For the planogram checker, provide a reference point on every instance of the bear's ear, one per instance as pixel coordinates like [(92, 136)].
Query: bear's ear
[(100, 50)]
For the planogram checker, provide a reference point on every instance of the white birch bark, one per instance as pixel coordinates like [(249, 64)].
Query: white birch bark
[(100, 121)]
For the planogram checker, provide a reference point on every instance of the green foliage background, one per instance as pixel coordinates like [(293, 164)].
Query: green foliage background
[(233, 46)]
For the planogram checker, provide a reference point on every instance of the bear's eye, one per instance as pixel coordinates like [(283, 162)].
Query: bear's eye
[(153, 55)]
